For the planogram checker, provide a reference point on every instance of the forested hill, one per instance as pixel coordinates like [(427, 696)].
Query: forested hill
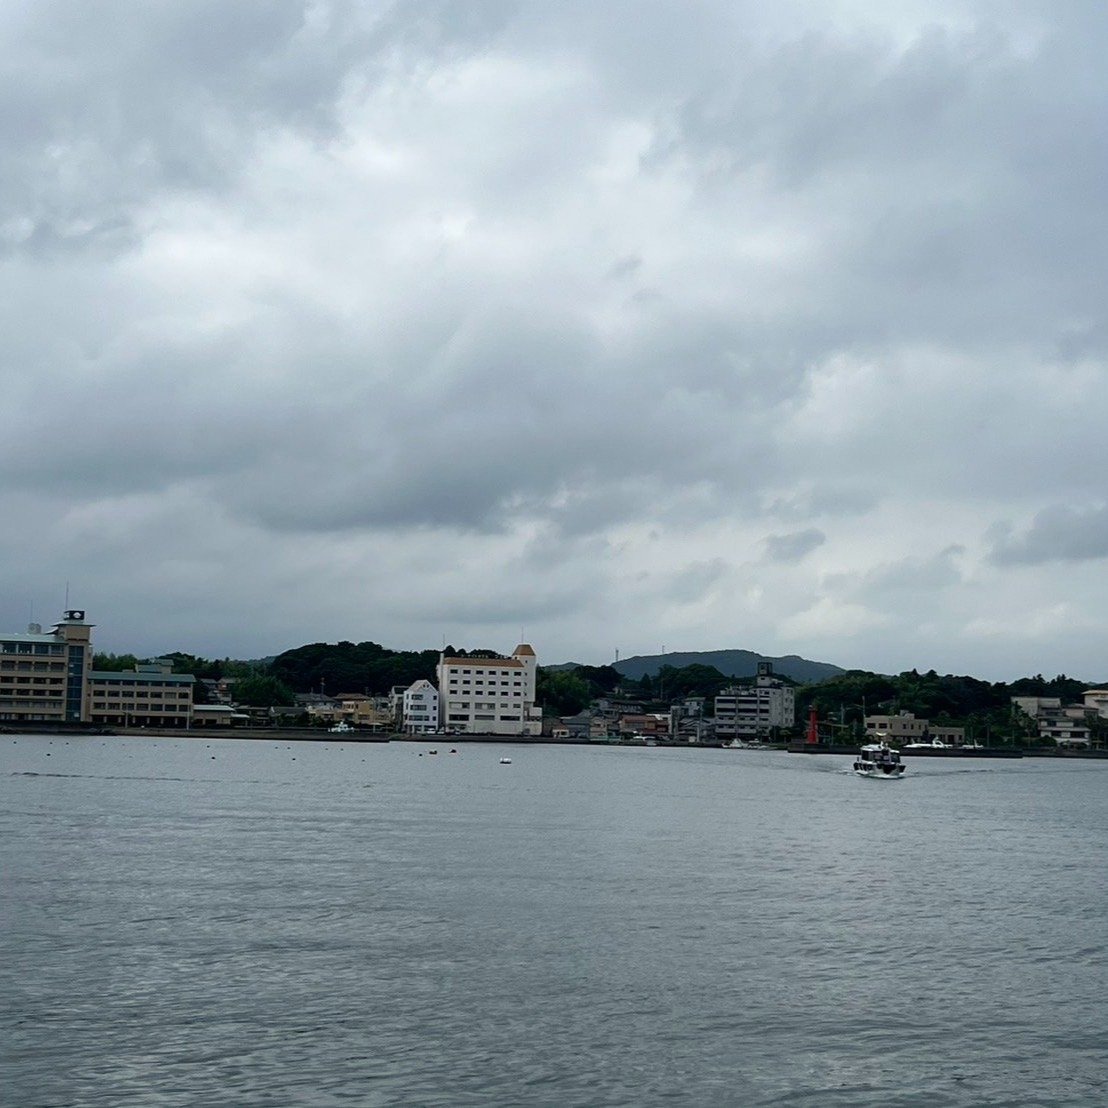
[(363, 667), (985, 707), (731, 663)]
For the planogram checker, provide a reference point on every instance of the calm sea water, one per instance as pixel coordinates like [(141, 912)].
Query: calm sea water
[(276, 923)]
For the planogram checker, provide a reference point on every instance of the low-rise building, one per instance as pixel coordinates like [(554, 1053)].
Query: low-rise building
[(420, 711), (150, 695), (952, 736), (490, 696), (396, 704), (322, 710), (612, 707), (217, 715), (900, 728), (1036, 706), (1097, 701), (220, 690), (579, 726), (653, 724), (1065, 729), (905, 727), (370, 713), (1064, 724)]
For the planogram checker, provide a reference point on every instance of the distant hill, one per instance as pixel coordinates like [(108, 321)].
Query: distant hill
[(731, 663)]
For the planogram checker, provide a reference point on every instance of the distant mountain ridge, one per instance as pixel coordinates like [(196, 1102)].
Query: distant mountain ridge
[(731, 663)]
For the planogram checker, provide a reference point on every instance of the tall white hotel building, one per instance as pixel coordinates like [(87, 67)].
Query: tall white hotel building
[(490, 696)]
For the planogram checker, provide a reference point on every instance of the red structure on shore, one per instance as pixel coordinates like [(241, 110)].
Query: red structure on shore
[(813, 729)]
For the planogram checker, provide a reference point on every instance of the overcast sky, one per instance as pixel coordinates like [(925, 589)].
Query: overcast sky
[(701, 324)]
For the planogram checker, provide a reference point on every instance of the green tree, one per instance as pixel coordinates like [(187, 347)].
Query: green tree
[(561, 692), (261, 690), (114, 662), (352, 667), (600, 679)]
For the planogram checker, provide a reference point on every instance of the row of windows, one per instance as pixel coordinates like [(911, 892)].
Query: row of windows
[(492, 690), (453, 669), (12, 702), (132, 681), (31, 648), (459, 717), (129, 706), (136, 719), (481, 680), (145, 694), (479, 705)]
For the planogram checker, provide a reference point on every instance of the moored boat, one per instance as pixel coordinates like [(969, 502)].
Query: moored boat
[(879, 760)]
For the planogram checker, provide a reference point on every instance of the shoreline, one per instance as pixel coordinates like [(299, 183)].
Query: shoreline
[(304, 734)]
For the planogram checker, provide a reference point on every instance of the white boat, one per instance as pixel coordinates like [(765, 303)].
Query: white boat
[(505, 761), (879, 760), (342, 728), (931, 744)]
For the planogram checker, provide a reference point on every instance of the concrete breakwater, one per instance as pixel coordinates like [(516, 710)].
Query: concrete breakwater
[(932, 752), (957, 752)]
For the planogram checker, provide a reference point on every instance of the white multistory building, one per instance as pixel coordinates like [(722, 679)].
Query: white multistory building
[(1097, 701), (490, 696), (420, 711), (755, 711), (1065, 724)]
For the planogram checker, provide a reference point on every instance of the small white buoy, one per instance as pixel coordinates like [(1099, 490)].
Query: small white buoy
[(505, 761)]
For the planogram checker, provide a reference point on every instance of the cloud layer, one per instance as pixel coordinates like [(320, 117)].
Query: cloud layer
[(617, 325)]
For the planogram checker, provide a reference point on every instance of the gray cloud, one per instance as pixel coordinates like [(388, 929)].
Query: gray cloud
[(795, 546), (330, 314), (1056, 534), (695, 581)]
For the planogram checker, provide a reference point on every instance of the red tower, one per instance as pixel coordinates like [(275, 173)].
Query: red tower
[(813, 729)]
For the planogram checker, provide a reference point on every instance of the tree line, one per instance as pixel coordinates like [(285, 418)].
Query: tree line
[(372, 669)]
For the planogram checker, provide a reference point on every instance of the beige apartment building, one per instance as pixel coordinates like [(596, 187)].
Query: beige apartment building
[(905, 728), (48, 678), (44, 677), (150, 695)]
